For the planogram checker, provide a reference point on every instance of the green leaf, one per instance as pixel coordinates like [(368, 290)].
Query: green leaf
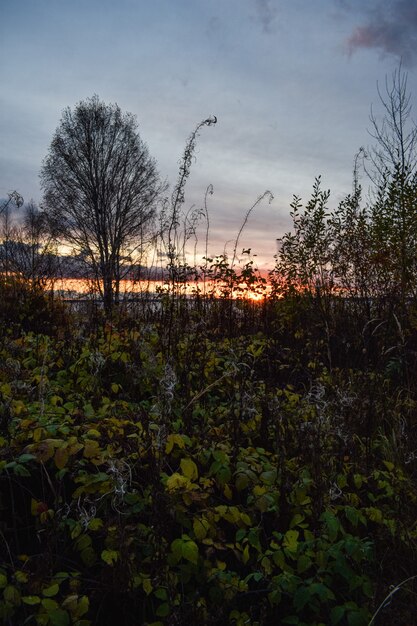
[(374, 514), (336, 614), (185, 548), (269, 477), (31, 600), (24, 458), (301, 598), (88, 556), (95, 524), (322, 591), (190, 551), (12, 595), (49, 605), (83, 606), (303, 563), (3, 581), (241, 481), (296, 520), (163, 610), (357, 618), (59, 617), (291, 540), (358, 480), (332, 524), (110, 556), (161, 594), (253, 538), (20, 470), (352, 515), (51, 591)]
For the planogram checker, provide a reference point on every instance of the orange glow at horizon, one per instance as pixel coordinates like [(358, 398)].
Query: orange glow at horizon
[(83, 287)]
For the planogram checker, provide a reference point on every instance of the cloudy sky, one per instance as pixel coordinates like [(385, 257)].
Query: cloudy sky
[(290, 81)]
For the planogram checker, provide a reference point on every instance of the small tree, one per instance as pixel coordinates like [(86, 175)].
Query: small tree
[(15, 200), (31, 253), (100, 190), (392, 167), (304, 257)]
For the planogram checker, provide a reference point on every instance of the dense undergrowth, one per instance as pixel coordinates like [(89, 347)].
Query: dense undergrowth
[(216, 463)]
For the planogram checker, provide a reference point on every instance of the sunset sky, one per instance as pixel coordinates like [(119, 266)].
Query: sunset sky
[(290, 81)]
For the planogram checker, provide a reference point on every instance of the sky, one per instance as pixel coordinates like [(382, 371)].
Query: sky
[(290, 81)]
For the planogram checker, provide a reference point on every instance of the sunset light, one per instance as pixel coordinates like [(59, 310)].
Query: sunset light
[(208, 313)]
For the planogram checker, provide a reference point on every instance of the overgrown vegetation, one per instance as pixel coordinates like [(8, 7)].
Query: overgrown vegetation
[(214, 459)]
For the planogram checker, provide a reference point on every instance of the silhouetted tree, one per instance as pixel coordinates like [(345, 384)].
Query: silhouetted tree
[(29, 249), (100, 189), (392, 166)]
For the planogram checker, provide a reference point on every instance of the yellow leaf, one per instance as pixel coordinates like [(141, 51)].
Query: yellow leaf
[(74, 447), (176, 481), (110, 556), (147, 586), (45, 516), (201, 528), (20, 576), (174, 439), (37, 434), (91, 448), (82, 607), (189, 469), (6, 389), (245, 555), (18, 406), (291, 540), (227, 492), (93, 432), (244, 517), (61, 457)]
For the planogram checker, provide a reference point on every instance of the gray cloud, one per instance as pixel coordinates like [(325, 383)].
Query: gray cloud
[(267, 12), (390, 27)]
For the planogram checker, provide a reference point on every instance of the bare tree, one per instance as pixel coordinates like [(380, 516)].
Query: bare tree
[(30, 251), (393, 170), (100, 189), (395, 134), (15, 200)]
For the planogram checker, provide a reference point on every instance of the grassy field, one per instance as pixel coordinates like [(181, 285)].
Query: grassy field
[(217, 462)]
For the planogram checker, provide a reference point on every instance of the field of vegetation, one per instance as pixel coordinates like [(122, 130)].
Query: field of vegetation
[(225, 462), (210, 458)]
